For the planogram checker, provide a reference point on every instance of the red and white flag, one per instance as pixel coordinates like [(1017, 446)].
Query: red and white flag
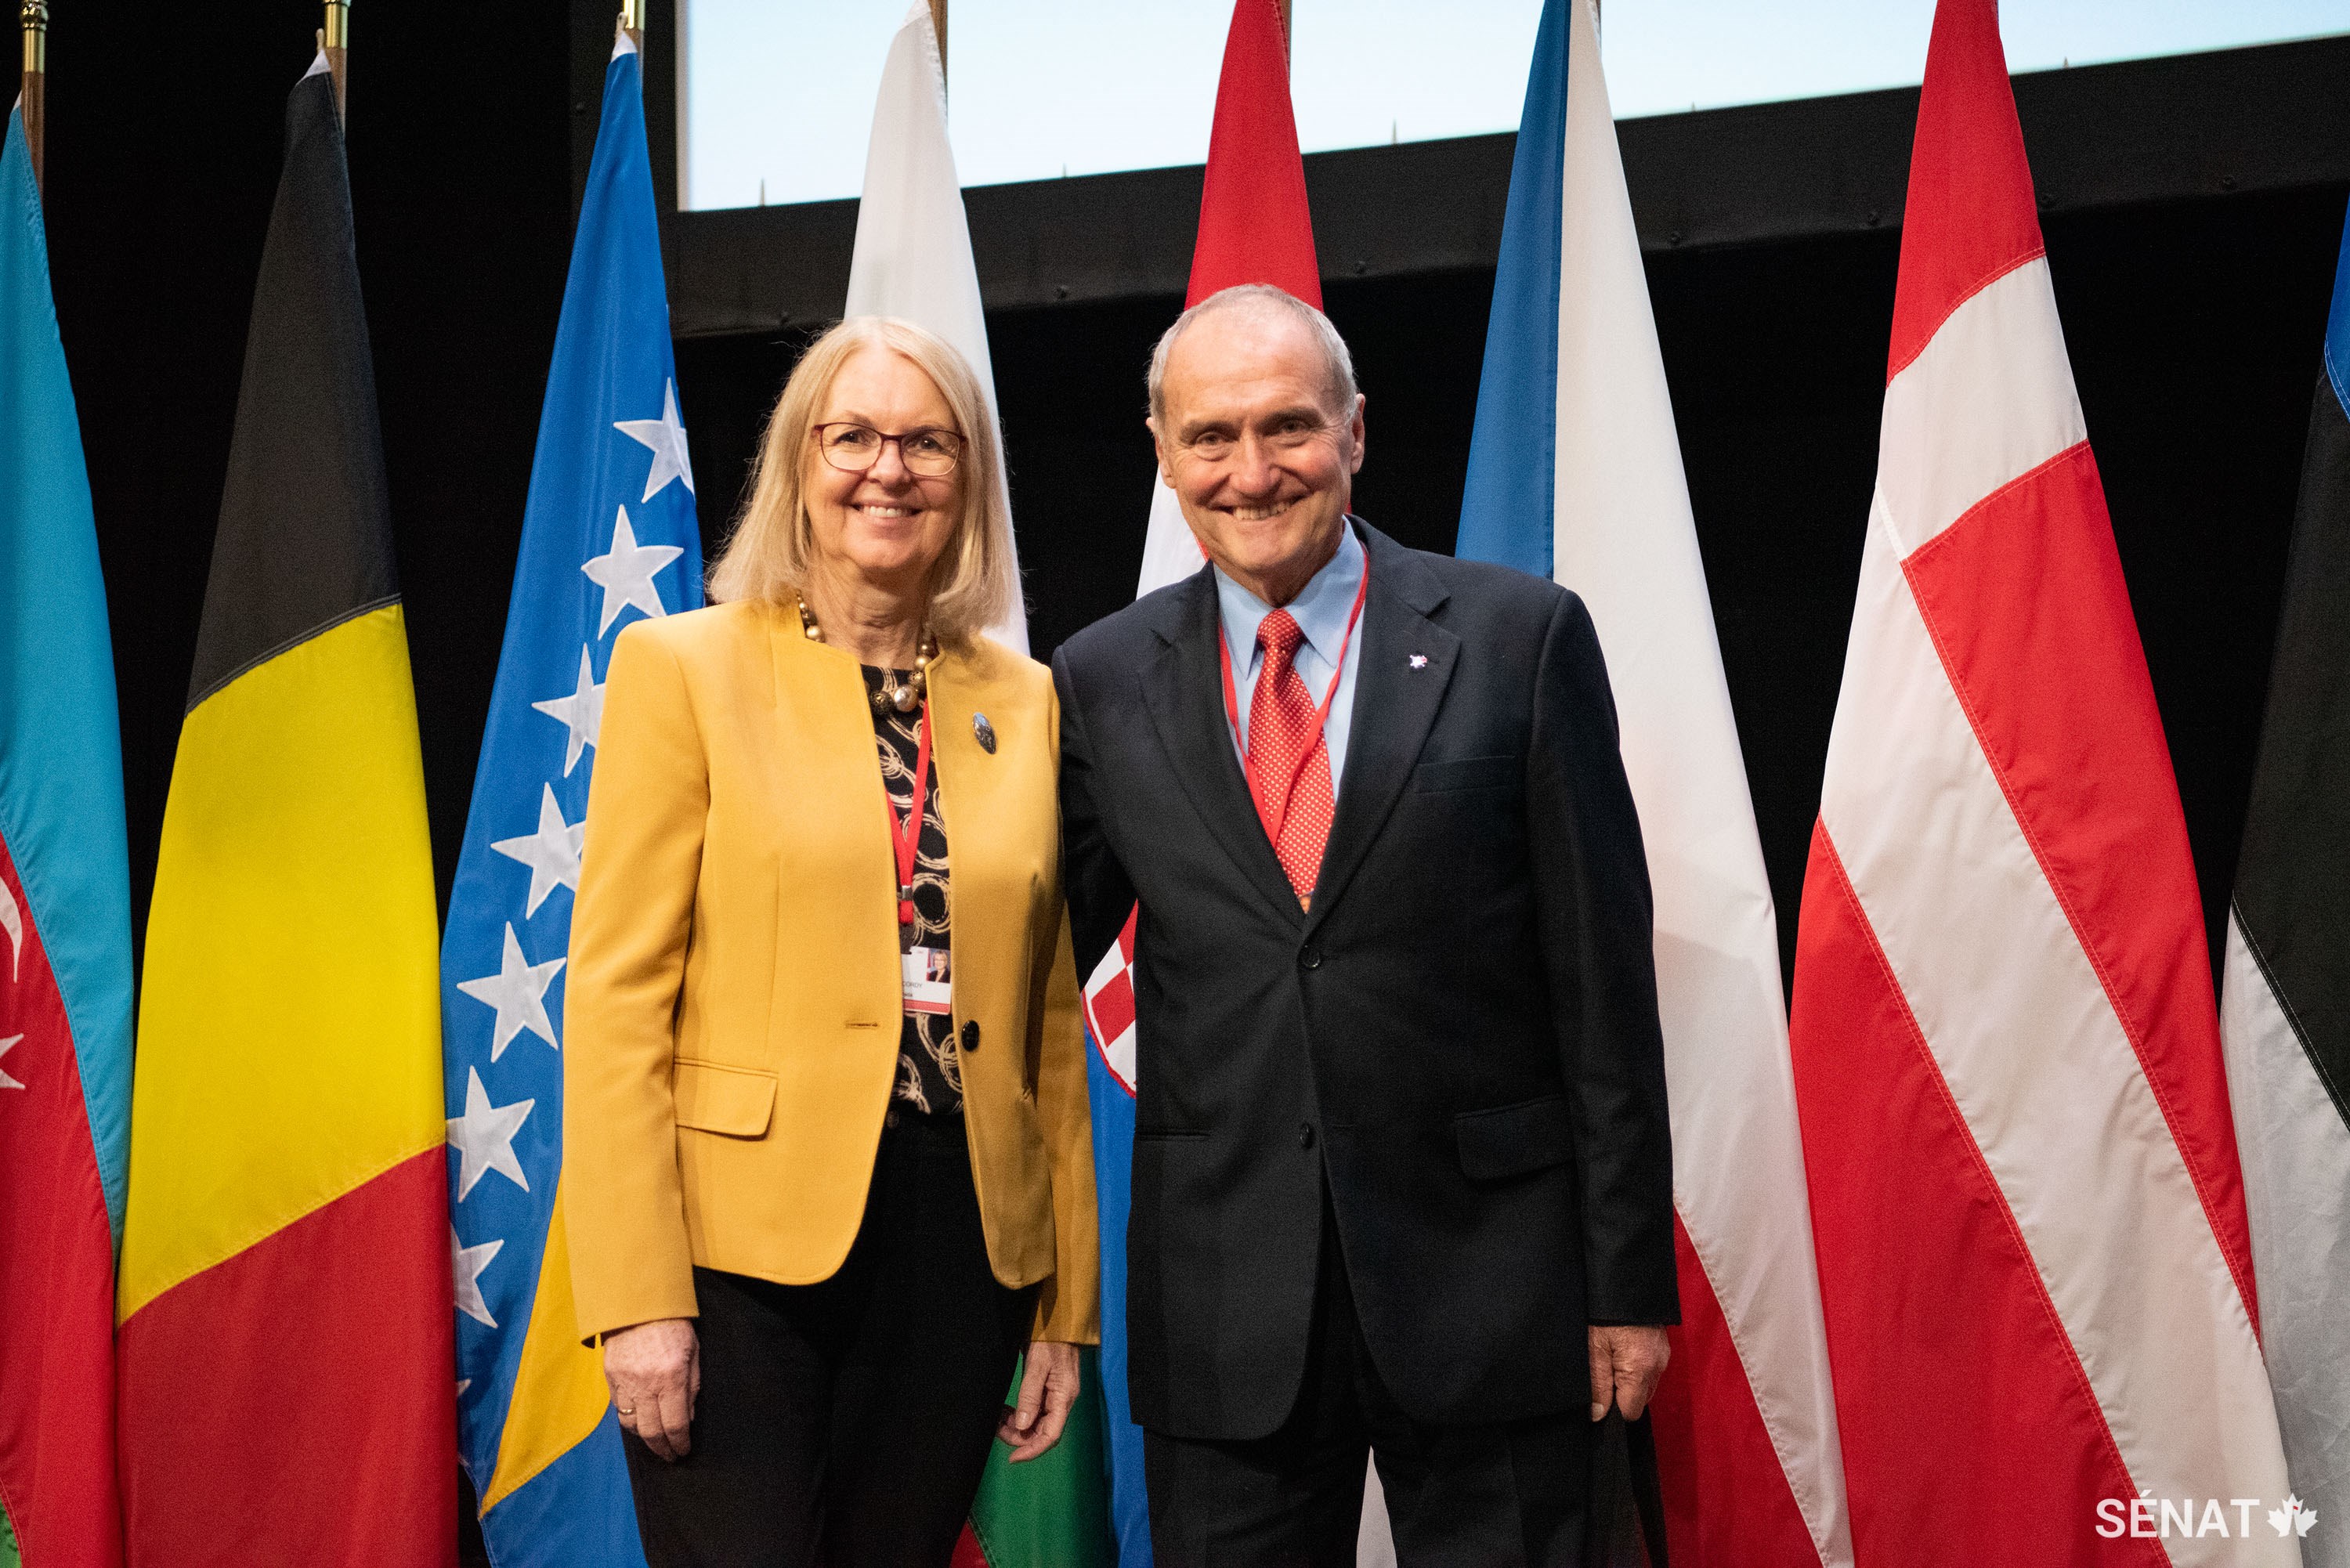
[(1254, 227), (2030, 1219)]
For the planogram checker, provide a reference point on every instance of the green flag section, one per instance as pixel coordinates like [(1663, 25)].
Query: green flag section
[(1054, 1510)]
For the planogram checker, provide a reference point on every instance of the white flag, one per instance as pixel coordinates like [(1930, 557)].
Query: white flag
[(913, 246)]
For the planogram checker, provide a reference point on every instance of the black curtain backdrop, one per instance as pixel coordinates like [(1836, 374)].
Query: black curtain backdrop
[(2194, 327)]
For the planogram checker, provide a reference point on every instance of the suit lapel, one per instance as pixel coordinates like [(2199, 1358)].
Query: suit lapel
[(1183, 689), (1396, 704)]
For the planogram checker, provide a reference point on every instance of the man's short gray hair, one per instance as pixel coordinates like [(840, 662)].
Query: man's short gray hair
[(1341, 382)]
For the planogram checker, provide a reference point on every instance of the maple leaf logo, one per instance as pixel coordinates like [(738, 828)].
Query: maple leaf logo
[(2293, 1519)]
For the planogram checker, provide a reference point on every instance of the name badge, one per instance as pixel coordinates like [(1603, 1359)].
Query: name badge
[(924, 981)]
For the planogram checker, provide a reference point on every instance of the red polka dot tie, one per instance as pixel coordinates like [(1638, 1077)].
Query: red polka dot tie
[(1281, 728)]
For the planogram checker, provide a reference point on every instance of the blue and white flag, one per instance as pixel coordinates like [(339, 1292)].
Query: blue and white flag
[(608, 535), (1574, 473)]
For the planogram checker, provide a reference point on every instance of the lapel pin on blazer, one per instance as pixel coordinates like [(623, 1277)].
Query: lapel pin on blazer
[(1419, 662), (984, 732)]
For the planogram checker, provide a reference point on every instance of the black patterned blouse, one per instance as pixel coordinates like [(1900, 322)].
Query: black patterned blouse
[(930, 1066)]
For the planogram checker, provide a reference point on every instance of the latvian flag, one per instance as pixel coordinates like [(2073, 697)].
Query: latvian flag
[(2285, 1011), (2034, 1262)]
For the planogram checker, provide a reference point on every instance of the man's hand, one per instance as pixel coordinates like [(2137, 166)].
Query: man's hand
[(1048, 1392), (1626, 1362), (655, 1371)]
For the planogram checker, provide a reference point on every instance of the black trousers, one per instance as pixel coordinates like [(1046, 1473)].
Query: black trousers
[(847, 1423), (1490, 1496)]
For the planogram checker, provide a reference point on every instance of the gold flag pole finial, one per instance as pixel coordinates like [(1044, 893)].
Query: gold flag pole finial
[(632, 22), (335, 41), (33, 80)]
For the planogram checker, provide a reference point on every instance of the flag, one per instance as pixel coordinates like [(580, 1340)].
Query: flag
[(2284, 1007), (285, 1343), (913, 260), (65, 908), (608, 535), (912, 257), (2026, 1198), (1254, 227), (1051, 1512), (1575, 472)]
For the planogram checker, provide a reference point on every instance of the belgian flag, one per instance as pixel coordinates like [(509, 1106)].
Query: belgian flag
[(286, 1340)]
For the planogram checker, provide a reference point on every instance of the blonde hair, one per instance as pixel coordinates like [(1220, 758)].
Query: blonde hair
[(772, 549)]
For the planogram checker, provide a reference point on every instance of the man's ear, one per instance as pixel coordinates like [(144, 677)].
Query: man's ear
[(1158, 450), (1355, 429)]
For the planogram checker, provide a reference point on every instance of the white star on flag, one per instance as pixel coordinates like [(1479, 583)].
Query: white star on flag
[(518, 990), (582, 711), (466, 1264), (625, 574), (484, 1136), (5, 1046), (666, 436), (552, 854)]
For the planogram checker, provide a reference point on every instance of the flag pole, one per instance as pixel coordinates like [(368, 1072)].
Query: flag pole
[(938, 25), (335, 41), (632, 23), (33, 79)]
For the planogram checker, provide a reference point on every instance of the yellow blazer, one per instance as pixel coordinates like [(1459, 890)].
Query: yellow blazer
[(733, 1001)]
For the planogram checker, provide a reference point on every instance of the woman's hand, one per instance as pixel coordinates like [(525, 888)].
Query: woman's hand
[(1048, 1392), (655, 1371)]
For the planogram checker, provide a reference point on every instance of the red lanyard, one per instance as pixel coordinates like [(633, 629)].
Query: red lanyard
[(906, 837), (1273, 820)]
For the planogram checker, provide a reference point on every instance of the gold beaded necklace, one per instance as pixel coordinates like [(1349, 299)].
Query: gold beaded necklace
[(905, 698)]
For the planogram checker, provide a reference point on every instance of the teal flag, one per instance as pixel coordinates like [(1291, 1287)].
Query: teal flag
[(64, 939)]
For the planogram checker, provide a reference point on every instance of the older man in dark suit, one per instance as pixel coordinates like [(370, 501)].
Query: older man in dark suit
[(1402, 1179)]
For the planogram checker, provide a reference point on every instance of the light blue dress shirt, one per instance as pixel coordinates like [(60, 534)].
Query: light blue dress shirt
[(1321, 613)]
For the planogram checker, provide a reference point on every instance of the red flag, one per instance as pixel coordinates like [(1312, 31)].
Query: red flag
[(1255, 226), (2032, 1250)]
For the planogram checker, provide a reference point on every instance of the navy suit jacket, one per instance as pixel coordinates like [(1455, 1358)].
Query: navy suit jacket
[(1458, 1043)]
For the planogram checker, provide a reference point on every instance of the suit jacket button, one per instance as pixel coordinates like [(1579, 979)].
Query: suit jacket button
[(970, 1035), (1309, 957), (1306, 1135)]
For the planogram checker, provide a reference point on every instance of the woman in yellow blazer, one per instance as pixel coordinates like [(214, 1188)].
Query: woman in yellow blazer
[(828, 1163)]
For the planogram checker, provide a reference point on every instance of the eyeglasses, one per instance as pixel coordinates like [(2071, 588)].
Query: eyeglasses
[(927, 452)]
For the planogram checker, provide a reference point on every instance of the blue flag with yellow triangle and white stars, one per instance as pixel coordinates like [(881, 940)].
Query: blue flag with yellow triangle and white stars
[(608, 536)]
